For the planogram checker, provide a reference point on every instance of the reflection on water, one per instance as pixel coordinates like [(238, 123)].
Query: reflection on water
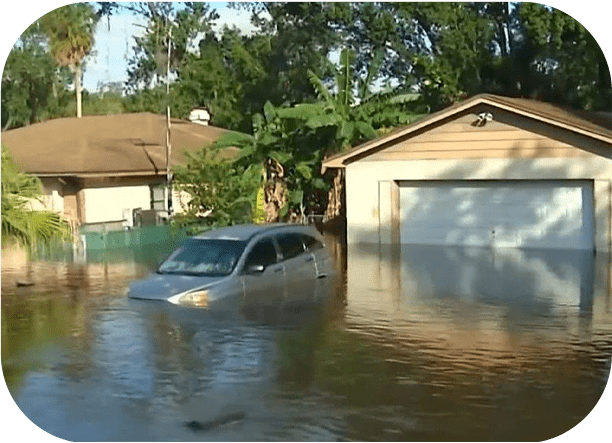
[(419, 343)]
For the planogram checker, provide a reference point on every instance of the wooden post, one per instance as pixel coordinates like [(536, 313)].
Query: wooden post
[(168, 142)]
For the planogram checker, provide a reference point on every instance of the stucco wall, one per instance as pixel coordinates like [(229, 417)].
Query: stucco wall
[(105, 204), (52, 198), (368, 184)]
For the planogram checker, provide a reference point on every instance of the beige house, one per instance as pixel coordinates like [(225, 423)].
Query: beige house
[(488, 171), (99, 171)]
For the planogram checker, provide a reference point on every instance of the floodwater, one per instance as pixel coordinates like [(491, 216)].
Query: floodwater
[(417, 343)]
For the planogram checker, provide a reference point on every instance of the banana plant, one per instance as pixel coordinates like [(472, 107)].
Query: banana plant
[(288, 143)]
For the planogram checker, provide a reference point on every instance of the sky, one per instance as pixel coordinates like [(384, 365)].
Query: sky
[(113, 46)]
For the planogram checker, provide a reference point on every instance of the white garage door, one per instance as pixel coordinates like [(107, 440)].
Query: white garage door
[(530, 214)]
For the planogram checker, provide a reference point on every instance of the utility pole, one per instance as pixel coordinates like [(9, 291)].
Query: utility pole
[(168, 142)]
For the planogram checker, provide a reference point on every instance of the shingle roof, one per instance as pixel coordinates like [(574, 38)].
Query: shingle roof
[(109, 145), (595, 125)]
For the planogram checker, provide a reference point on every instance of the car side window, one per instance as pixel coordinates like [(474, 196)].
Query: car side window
[(311, 243), (263, 253), (291, 245)]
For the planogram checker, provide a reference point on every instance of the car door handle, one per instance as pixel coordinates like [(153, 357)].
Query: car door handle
[(309, 259), (278, 270)]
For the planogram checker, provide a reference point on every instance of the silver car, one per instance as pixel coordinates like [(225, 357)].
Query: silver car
[(269, 265)]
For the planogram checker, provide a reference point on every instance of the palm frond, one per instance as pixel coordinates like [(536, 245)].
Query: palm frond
[(321, 90), (19, 221), (344, 78), (373, 71), (234, 140), (302, 111)]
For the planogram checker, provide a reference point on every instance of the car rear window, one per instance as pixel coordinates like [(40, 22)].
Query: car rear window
[(204, 257)]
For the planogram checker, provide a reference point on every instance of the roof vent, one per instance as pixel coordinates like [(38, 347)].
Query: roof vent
[(201, 116)]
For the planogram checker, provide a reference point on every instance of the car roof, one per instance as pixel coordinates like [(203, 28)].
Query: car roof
[(246, 232)]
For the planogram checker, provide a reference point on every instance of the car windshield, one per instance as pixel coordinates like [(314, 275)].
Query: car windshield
[(206, 257)]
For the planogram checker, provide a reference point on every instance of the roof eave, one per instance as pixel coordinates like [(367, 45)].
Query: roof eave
[(340, 161), (550, 121), (98, 174)]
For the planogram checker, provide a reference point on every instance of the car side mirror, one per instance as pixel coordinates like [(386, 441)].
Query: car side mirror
[(255, 269)]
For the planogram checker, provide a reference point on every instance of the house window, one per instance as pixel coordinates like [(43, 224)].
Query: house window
[(158, 197)]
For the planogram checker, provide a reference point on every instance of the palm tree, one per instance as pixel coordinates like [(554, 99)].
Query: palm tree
[(70, 31), (19, 221)]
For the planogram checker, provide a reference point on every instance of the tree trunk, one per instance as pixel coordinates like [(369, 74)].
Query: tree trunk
[(275, 197), (275, 190), (78, 88), (9, 122), (334, 197)]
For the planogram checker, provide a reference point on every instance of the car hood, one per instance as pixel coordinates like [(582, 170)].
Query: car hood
[(164, 286)]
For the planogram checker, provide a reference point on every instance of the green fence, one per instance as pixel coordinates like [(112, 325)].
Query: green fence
[(147, 245), (132, 238)]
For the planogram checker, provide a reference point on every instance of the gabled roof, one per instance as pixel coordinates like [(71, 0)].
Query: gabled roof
[(595, 125), (120, 144)]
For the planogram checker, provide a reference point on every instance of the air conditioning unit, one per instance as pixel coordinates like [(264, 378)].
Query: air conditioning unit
[(127, 217)]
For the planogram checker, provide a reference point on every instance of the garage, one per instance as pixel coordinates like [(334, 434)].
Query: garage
[(489, 171), (518, 213)]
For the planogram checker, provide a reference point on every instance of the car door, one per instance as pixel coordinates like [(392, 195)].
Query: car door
[(300, 271), (262, 275)]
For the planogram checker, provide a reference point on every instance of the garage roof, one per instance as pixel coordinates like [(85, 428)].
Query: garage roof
[(121, 144), (590, 124)]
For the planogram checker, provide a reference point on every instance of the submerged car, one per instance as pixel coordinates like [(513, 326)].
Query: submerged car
[(269, 265)]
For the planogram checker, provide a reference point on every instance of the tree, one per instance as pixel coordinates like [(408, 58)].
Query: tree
[(33, 86), (172, 28), (19, 221), (222, 192), (289, 142), (27, 83), (301, 36), (566, 65), (222, 77), (355, 119), (70, 31), (519, 50)]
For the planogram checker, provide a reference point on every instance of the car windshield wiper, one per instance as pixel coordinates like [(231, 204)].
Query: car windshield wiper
[(159, 271), (205, 274)]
